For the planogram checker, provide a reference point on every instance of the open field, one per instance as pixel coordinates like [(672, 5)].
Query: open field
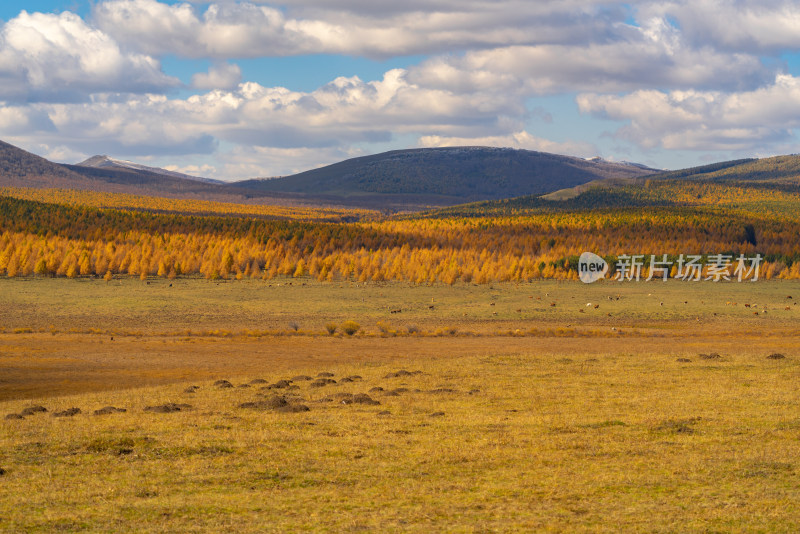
[(525, 416)]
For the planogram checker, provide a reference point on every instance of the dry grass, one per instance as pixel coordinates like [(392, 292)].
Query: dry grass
[(500, 431), (496, 442)]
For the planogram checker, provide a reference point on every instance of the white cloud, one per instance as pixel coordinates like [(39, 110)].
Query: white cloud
[(681, 74), (703, 120), (753, 27), (48, 57), (307, 125), (520, 139), (373, 29), (219, 76), (651, 56)]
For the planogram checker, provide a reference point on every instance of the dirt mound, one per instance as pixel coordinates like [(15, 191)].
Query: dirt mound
[(30, 410), (320, 382), (384, 413), (349, 398), (13, 416), (244, 386), (363, 398), (442, 390), (68, 413), (325, 374), (684, 360), (337, 397), (276, 403), (437, 414), (267, 404), (301, 378), (169, 407), (710, 356), (109, 410), (280, 384), (773, 356), (257, 381), (223, 384), (376, 389), (403, 372), (191, 389)]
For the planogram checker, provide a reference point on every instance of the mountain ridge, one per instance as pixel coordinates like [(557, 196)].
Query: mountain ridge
[(469, 173), (395, 181)]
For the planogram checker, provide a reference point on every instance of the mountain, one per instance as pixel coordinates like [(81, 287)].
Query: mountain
[(19, 168), (105, 162), (392, 181), (764, 187), (780, 173), (446, 176)]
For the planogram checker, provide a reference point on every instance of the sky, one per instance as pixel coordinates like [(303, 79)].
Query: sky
[(234, 89)]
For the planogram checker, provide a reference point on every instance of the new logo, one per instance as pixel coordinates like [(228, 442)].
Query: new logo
[(591, 267)]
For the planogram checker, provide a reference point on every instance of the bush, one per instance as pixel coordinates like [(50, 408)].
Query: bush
[(350, 327), (412, 329), (331, 328), (294, 326)]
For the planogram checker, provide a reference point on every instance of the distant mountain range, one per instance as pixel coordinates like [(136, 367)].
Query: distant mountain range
[(392, 181)]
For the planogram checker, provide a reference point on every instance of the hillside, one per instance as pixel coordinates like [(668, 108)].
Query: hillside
[(768, 187), (19, 168), (449, 175), (392, 181), (146, 182)]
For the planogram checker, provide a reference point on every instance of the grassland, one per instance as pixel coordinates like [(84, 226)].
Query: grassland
[(525, 416)]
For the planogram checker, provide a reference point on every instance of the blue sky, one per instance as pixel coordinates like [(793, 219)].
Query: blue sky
[(234, 89)]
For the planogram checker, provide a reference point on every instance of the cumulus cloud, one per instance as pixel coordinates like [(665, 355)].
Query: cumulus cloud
[(46, 57), (681, 74), (652, 56), (522, 139), (754, 27), (703, 120), (331, 119), (373, 29), (219, 76)]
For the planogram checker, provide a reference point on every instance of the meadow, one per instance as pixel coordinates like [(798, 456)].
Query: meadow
[(542, 406)]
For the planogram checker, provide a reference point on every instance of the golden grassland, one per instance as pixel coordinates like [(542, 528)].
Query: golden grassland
[(525, 416)]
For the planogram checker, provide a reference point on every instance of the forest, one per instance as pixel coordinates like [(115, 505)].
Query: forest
[(174, 238)]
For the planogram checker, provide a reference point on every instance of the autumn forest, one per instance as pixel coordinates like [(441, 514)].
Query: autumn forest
[(104, 235)]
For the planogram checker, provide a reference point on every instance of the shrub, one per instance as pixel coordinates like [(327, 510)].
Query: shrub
[(350, 327), (294, 326), (385, 329), (331, 328), (412, 329)]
